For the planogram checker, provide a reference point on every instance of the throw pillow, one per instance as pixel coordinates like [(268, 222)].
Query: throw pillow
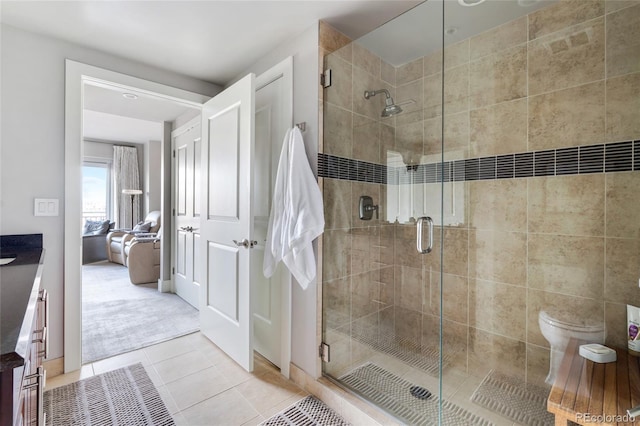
[(95, 227), (142, 227)]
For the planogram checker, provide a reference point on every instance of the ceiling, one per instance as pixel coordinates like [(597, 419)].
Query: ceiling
[(143, 107), (109, 128), (111, 117), (215, 40), (210, 40)]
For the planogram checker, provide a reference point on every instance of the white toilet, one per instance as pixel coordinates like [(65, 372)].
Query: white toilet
[(557, 329)]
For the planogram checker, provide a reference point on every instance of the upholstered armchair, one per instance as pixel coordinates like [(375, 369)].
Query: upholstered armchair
[(117, 240), (143, 259), (94, 236)]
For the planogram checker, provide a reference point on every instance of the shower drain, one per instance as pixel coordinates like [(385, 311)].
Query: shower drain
[(420, 392)]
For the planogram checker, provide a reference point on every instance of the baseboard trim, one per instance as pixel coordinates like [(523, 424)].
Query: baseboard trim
[(54, 367), (165, 286)]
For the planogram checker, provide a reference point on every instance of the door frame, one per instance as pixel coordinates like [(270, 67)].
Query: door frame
[(76, 76), (283, 70)]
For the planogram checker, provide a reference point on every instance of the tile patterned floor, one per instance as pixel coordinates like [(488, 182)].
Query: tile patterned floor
[(202, 386)]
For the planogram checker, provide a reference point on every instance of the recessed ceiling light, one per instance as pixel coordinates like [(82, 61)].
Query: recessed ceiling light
[(470, 2), (130, 96)]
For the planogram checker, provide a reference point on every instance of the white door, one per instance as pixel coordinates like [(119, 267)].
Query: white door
[(187, 202), (273, 118), (226, 223)]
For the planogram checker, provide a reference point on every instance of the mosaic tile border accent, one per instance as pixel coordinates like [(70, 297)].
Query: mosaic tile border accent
[(611, 157), (330, 166)]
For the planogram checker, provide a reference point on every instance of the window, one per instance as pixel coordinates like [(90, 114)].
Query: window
[(96, 190)]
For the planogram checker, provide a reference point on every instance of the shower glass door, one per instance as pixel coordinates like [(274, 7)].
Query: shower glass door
[(382, 175)]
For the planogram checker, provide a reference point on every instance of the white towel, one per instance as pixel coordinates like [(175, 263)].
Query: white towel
[(297, 216)]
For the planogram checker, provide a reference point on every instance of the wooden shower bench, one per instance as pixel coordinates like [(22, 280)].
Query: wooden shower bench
[(588, 393)]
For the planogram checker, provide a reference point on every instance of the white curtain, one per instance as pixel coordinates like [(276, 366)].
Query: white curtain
[(125, 176)]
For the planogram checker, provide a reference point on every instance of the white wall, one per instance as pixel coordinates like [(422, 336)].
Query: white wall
[(152, 175), (32, 84), (304, 50), (165, 191), (185, 118), (98, 150)]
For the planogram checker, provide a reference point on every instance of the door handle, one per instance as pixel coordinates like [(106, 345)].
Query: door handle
[(246, 243), (39, 384), (419, 235), (186, 228), (44, 298)]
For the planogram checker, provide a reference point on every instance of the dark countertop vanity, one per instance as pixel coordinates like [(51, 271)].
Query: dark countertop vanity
[(22, 327), (19, 286)]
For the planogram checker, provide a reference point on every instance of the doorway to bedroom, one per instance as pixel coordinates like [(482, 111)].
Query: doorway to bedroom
[(122, 216)]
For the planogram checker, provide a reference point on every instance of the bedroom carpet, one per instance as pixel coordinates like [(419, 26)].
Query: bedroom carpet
[(119, 317)]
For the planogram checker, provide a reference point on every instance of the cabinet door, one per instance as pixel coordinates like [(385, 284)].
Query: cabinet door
[(31, 395)]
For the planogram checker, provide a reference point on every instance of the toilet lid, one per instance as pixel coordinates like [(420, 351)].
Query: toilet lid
[(574, 323)]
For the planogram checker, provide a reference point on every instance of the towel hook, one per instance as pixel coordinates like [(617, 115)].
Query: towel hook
[(302, 126)]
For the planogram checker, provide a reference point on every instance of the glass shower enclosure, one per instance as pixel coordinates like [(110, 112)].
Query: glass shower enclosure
[(479, 179)]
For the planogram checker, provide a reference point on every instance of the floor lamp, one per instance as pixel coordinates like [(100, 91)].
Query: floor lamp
[(133, 193)]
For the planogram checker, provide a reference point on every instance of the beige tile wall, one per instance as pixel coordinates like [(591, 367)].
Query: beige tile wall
[(567, 75)]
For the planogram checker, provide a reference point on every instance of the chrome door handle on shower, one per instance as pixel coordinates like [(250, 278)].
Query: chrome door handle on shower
[(419, 235)]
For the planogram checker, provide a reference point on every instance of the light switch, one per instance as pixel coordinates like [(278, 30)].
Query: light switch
[(46, 207)]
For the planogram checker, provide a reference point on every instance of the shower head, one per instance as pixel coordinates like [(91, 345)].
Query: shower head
[(389, 107)]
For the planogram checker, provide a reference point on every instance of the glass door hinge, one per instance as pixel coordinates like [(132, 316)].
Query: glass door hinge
[(324, 352), (325, 78)]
